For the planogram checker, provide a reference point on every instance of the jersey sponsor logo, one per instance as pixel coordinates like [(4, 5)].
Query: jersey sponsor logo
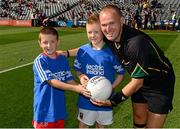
[(77, 64), (61, 75), (118, 68), (95, 69)]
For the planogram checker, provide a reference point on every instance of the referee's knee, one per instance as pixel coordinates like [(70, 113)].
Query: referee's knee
[(136, 126)]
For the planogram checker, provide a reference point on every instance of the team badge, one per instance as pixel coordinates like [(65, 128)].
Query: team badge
[(81, 115)]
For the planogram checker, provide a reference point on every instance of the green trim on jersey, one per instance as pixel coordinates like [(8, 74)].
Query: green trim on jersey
[(103, 47), (138, 72)]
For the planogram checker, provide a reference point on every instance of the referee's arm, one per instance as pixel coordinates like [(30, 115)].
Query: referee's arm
[(134, 85)]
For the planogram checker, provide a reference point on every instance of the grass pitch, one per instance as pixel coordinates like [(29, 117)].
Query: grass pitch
[(19, 46)]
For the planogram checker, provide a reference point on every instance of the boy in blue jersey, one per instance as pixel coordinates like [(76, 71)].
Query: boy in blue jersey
[(96, 59), (51, 77)]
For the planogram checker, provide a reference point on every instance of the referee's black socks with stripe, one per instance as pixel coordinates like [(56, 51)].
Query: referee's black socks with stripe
[(136, 126)]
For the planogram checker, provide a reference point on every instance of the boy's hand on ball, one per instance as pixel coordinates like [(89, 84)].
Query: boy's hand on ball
[(84, 91), (101, 102), (84, 79)]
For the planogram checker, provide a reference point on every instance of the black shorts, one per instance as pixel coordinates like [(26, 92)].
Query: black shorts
[(159, 102)]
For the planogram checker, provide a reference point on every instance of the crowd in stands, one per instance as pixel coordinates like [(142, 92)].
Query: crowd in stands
[(148, 15), (140, 14), (145, 13), (14, 8)]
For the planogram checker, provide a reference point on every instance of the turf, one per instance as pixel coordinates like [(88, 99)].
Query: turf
[(16, 98), (26, 36), (16, 86)]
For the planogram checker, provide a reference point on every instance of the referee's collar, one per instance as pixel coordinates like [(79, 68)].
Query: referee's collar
[(117, 45)]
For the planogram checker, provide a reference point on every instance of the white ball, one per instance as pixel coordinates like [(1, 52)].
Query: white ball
[(100, 87)]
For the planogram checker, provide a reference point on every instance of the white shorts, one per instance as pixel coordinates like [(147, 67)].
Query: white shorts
[(89, 117)]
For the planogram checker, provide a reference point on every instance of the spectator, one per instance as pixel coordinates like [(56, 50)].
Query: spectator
[(174, 21)]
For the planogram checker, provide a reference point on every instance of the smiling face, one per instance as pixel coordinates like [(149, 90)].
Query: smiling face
[(48, 41), (49, 44), (111, 24), (94, 33), (93, 29)]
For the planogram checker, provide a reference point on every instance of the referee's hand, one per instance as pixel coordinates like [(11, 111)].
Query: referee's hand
[(106, 103)]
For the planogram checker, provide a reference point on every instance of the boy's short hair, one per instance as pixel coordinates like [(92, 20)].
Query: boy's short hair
[(49, 30), (94, 18)]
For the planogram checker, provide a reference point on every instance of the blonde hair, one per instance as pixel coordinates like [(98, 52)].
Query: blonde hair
[(94, 18)]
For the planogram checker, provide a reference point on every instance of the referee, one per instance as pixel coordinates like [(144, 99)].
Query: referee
[(152, 77)]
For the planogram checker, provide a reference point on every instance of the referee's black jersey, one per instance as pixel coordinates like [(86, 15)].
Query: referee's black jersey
[(140, 55)]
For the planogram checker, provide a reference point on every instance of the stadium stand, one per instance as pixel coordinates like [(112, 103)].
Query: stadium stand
[(64, 12)]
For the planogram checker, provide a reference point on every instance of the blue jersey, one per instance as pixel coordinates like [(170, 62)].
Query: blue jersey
[(49, 102), (94, 62)]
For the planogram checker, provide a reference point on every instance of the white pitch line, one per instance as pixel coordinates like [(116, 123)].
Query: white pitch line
[(20, 66)]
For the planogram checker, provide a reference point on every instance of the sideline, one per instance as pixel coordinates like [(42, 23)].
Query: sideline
[(20, 66)]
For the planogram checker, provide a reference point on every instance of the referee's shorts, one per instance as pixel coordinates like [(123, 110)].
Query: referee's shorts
[(157, 92)]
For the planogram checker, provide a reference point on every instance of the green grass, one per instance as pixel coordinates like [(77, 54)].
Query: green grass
[(165, 41), (24, 51), (27, 36), (16, 87), (16, 93)]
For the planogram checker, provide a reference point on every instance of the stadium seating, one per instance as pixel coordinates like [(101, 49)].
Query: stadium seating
[(54, 7)]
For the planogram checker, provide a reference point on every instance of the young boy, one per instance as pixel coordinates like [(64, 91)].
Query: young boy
[(51, 77), (92, 59)]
